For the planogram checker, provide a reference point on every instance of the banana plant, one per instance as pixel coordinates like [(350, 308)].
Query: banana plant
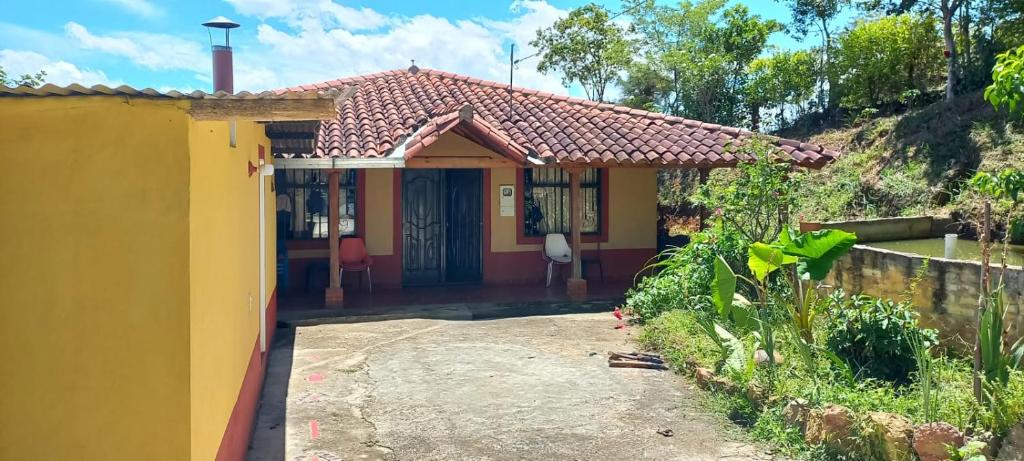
[(809, 257)]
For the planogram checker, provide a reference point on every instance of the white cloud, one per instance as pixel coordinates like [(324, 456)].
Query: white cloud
[(19, 62), (311, 14), (142, 8), (308, 41), (152, 51), (315, 46)]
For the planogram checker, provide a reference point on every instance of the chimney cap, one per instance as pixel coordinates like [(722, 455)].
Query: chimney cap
[(220, 22)]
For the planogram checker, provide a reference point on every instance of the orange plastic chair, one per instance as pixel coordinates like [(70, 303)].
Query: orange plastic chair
[(354, 257)]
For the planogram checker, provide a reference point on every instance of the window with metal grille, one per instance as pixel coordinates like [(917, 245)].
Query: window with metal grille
[(546, 201), (302, 203)]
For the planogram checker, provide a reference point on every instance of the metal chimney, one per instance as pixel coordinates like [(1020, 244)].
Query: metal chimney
[(223, 67)]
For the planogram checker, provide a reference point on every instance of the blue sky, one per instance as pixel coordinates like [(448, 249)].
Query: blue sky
[(160, 44)]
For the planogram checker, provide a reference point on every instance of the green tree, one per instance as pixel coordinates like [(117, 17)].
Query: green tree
[(26, 79), (694, 57), (1007, 89), (820, 15), (781, 81), (947, 10), (882, 59), (587, 48)]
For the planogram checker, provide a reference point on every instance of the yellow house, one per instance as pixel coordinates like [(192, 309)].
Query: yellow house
[(452, 180), (135, 292), (141, 231)]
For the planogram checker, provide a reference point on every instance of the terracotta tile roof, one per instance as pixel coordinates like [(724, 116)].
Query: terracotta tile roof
[(461, 120), (401, 107), (50, 89)]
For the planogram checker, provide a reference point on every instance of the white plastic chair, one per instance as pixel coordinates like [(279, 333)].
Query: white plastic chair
[(556, 251)]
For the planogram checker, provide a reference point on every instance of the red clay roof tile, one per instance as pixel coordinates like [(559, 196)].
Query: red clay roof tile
[(390, 107)]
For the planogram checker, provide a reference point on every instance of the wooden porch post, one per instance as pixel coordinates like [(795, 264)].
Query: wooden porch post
[(334, 296), (576, 285), (703, 211)]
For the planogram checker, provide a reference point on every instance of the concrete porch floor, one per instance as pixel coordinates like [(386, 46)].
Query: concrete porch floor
[(442, 386), (380, 299)]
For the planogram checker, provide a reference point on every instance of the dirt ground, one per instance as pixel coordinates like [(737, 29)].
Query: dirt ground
[(512, 388)]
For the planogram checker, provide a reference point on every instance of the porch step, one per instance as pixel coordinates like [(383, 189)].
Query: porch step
[(448, 311)]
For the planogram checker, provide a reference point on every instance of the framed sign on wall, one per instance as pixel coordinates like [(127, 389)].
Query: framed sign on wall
[(507, 202)]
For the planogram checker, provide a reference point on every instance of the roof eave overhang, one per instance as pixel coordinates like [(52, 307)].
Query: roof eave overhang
[(287, 107), (330, 163)]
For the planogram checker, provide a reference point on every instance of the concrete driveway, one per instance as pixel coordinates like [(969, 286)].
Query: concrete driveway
[(513, 388)]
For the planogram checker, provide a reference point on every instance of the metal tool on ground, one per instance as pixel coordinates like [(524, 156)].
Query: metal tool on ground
[(636, 360)]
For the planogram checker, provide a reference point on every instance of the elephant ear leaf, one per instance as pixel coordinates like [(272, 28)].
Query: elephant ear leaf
[(763, 259), (724, 287), (742, 314), (819, 250)]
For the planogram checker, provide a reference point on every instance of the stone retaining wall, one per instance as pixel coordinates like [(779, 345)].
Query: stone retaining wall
[(946, 297)]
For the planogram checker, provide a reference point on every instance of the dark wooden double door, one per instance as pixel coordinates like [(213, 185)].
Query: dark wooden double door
[(442, 226)]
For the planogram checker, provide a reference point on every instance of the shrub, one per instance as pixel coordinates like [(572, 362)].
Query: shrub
[(656, 294), (753, 200), (684, 275), (874, 336)]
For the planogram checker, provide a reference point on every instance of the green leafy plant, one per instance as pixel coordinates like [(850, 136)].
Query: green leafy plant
[(811, 256), (925, 377), (875, 336), (753, 203), (682, 277), (730, 305), (973, 450), (1007, 184), (1007, 88), (997, 359), (732, 353)]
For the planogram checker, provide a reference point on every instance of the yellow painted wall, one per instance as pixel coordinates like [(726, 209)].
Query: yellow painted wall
[(224, 275), (94, 305), (633, 208), (632, 211), (379, 216)]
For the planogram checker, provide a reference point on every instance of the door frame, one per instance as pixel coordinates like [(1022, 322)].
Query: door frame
[(399, 227)]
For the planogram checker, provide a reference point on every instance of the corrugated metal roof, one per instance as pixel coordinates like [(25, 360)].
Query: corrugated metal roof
[(125, 90)]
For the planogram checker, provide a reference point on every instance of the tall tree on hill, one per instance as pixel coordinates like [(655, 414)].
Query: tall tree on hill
[(782, 82), (587, 48), (945, 9), (819, 15), (694, 58)]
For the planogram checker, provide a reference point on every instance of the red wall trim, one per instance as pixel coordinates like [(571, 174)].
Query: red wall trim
[(523, 239), (235, 442)]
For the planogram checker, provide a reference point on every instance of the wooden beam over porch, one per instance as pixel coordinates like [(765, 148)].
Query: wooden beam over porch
[(459, 162), (334, 296)]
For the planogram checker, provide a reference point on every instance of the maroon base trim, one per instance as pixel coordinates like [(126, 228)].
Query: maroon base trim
[(522, 267), (235, 443)]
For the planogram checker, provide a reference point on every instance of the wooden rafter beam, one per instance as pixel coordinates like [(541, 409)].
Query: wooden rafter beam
[(282, 108), (262, 110)]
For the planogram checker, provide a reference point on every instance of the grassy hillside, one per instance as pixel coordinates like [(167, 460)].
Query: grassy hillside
[(913, 163)]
